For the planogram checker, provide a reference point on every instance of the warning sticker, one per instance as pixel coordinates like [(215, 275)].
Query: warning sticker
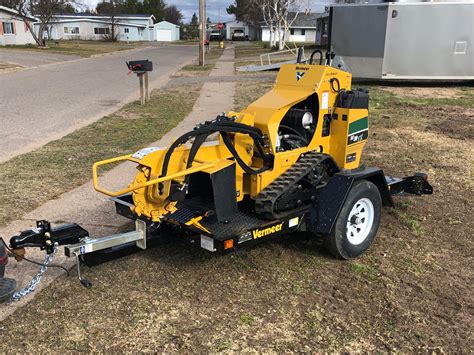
[(325, 100)]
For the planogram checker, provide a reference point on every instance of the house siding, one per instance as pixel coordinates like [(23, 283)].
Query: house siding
[(166, 31), (309, 36), (87, 24), (21, 35)]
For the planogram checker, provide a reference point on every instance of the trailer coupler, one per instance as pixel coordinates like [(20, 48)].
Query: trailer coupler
[(76, 241)]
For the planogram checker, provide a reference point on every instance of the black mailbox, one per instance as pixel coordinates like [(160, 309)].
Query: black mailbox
[(140, 65)]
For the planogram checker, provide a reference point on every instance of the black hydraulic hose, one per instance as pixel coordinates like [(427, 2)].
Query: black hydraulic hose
[(320, 56), (245, 167), (294, 131), (221, 127), (297, 137)]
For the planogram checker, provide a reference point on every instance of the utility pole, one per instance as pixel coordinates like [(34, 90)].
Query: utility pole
[(202, 30)]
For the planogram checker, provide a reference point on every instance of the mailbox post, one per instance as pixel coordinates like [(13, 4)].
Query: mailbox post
[(141, 68)]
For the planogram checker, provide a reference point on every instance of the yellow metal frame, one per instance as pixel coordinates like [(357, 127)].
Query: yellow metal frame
[(95, 177)]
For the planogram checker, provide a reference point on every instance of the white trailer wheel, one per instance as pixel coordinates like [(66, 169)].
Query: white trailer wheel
[(356, 227), (360, 221)]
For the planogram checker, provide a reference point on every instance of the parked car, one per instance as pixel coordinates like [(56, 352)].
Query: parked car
[(238, 35), (3, 259), (215, 36)]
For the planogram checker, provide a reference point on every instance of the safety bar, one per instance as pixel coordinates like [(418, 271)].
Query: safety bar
[(185, 172)]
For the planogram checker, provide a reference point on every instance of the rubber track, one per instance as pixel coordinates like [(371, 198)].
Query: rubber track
[(266, 201)]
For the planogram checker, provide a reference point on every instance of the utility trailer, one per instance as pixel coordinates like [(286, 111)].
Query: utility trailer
[(404, 40), (291, 161)]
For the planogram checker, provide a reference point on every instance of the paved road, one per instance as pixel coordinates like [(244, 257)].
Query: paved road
[(44, 103), (32, 59)]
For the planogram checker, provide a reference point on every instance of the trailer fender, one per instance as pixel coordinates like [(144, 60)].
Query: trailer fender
[(332, 197)]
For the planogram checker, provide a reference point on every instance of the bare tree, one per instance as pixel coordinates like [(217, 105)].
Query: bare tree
[(43, 10), (279, 15), (112, 32)]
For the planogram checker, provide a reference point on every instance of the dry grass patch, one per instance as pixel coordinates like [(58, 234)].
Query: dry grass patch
[(412, 292), (80, 48)]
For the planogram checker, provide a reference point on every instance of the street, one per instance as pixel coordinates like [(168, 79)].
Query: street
[(46, 102)]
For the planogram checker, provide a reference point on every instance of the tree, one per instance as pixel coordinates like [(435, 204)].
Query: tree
[(173, 15), (194, 20), (43, 10), (106, 7), (67, 9), (278, 16), (247, 11), (155, 8)]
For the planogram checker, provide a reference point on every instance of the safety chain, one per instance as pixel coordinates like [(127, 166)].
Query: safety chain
[(17, 296)]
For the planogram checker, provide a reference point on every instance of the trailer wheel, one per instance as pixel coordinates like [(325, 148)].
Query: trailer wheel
[(357, 225)]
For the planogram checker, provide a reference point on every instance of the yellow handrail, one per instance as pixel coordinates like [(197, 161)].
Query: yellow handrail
[(185, 172)]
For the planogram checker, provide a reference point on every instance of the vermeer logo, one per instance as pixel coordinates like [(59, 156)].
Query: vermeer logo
[(299, 75), (259, 233)]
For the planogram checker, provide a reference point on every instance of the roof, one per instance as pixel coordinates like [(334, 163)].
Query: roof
[(14, 12), (302, 20), (166, 23), (125, 16), (127, 24)]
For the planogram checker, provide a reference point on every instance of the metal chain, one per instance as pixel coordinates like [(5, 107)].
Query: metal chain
[(17, 296)]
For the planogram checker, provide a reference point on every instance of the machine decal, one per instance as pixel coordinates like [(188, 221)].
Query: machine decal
[(358, 137), (325, 100), (359, 125), (144, 152), (259, 233), (358, 131), (299, 75), (351, 157)]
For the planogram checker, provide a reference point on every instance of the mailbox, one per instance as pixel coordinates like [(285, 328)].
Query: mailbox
[(140, 66)]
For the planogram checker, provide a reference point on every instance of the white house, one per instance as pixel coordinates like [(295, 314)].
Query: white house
[(231, 26), (95, 27), (302, 29), (166, 31), (13, 29)]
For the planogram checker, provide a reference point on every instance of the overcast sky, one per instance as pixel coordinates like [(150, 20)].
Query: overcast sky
[(188, 7)]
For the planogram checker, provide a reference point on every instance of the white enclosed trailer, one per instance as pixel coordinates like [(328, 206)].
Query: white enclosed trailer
[(404, 41)]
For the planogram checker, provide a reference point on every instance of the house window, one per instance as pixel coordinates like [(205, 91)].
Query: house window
[(303, 32), (292, 31), (8, 28), (101, 30), (71, 30), (126, 30)]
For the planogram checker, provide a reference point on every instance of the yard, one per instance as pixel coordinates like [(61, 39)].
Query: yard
[(412, 292), (80, 48)]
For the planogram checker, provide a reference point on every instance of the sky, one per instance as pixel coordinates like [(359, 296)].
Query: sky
[(214, 7)]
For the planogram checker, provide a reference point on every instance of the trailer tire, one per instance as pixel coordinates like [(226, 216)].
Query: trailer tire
[(357, 225)]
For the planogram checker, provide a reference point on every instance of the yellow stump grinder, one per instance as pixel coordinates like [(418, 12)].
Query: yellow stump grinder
[(291, 161)]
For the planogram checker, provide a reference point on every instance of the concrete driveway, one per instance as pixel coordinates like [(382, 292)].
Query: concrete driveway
[(44, 103)]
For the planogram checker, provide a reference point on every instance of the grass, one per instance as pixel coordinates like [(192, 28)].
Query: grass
[(31, 179), (198, 70), (79, 47), (405, 295), (247, 91)]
